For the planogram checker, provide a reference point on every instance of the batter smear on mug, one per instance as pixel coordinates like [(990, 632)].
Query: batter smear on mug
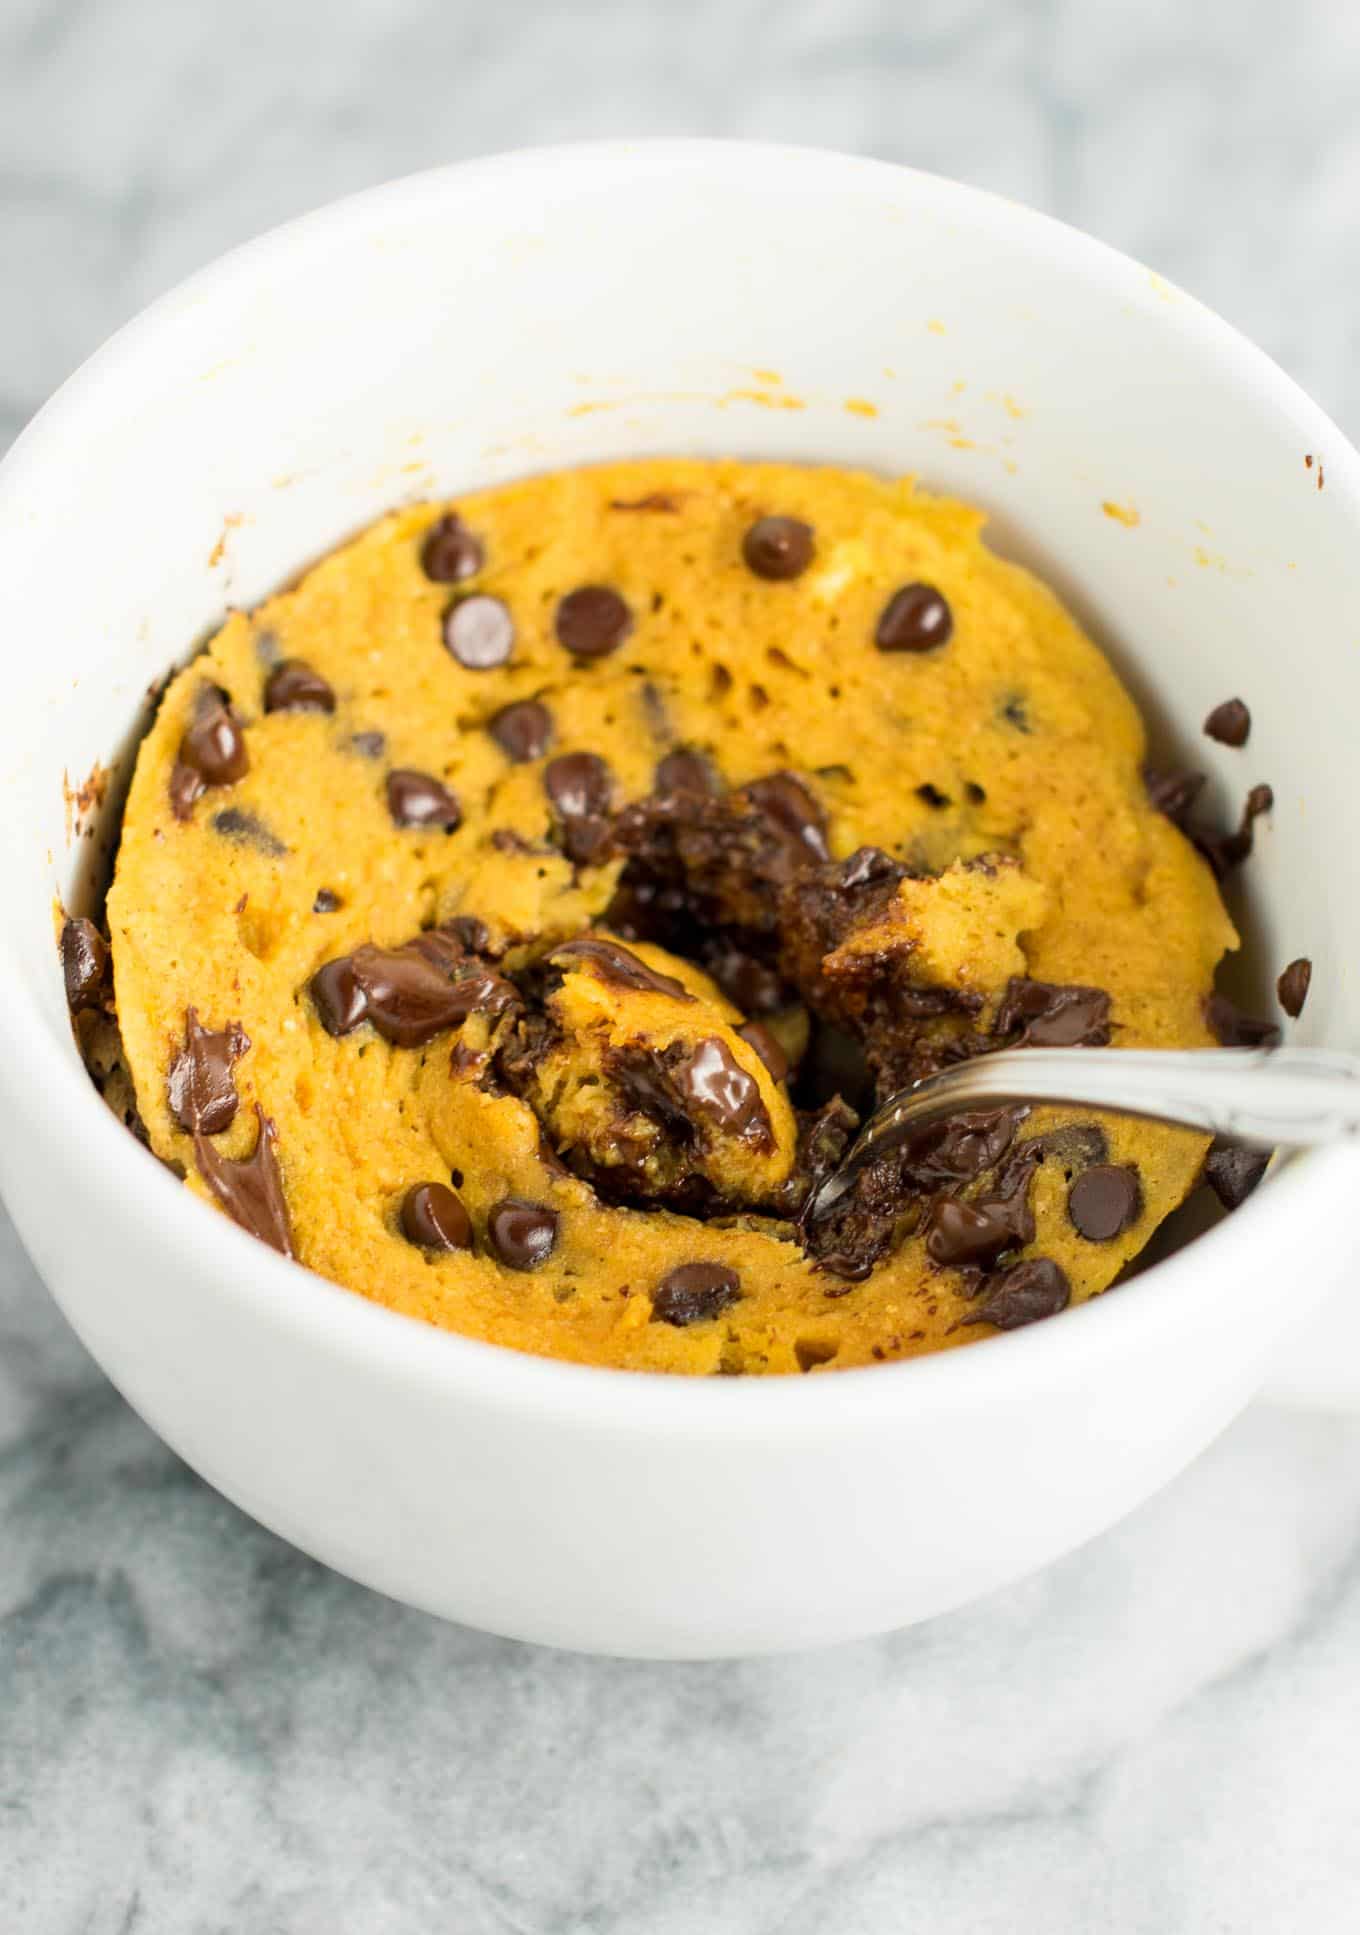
[(514, 919)]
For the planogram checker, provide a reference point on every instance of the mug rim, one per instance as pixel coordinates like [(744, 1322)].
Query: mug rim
[(35, 1074)]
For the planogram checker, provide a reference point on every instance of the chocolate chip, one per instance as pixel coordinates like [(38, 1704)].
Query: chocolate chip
[(433, 1218), (1040, 1014), (1022, 1295), (326, 902), (419, 799), (471, 933), (867, 865), (960, 1147), (450, 552), (1105, 1201), (294, 686), (1236, 1029), (580, 788), (1224, 851), (479, 631), (201, 1083), (613, 962), (1232, 1174), (578, 784), (523, 731), (1229, 723), (249, 830), (251, 1190), (1292, 987), (369, 745), (685, 772), (756, 1035), (84, 963), (1173, 792), (915, 619), (715, 1084), (592, 621), (778, 547), (410, 993), (932, 795), (694, 1293), (211, 753), (522, 1234), (793, 812)]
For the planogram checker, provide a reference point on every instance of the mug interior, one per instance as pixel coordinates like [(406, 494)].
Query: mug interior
[(690, 298)]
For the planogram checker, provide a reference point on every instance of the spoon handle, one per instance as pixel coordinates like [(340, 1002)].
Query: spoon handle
[(1261, 1098)]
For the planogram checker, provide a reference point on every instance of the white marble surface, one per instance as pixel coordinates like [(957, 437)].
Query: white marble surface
[(201, 1731)]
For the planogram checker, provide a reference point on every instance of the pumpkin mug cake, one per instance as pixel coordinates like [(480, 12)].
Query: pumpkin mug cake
[(513, 920)]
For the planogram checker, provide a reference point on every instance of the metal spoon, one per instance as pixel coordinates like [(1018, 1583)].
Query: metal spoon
[(1259, 1098)]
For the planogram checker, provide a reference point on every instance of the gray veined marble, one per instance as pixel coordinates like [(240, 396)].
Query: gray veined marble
[(202, 1733)]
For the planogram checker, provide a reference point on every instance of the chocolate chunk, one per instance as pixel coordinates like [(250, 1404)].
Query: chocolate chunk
[(1105, 1201), (1040, 1014), (326, 902), (1173, 792), (251, 1190), (234, 823), (294, 686), (450, 552), (410, 1000), (1022, 1295), (694, 1293), (778, 547), (369, 745), (961, 1235), (1292, 987), (613, 962), (1236, 1029), (643, 1081), (1229, 723), (201, 1083), (1224, 851), (915, 619), (767, 1046), (433, 1218), (960, 1147), (715, 1084), (1232, 1174), (410, 993), (84, 963), (479, 631), (523, 731), (592, 621), (419, 799), (340, 1001), (522, 1234), (685, 772), (211, 753), (793, 812)]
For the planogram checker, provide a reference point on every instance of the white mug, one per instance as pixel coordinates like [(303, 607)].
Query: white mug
[(555, 308)]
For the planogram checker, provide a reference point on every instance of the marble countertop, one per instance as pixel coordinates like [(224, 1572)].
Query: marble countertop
[(201, 1730)]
